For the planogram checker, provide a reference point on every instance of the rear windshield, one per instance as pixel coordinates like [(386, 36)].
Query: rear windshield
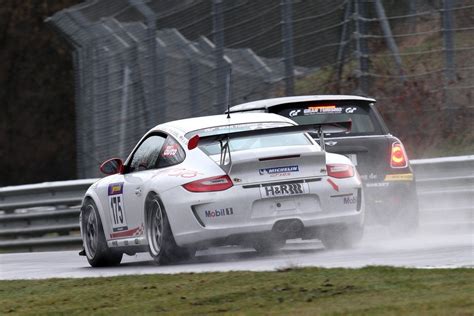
[(251, 142), (364, 121)]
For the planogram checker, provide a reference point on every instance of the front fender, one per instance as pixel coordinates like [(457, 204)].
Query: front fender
[(92, 194)]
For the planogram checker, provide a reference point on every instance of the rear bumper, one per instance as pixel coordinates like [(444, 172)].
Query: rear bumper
[(241, 233), (388, 199), (208, 218)]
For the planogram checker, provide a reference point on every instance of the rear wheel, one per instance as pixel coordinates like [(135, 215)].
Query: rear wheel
[(406, 222), (161, 243), (341, 237), (95, 246), (402, 211)]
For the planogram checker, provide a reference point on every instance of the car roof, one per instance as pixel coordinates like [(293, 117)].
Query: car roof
[(191, 124), (268, 103)]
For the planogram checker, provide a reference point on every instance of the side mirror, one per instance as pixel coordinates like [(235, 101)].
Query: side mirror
[(112, 166)]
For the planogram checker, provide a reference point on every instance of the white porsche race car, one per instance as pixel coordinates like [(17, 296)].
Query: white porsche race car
[(253, 179)]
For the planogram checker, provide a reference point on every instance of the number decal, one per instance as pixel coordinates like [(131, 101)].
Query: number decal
[(116, 207)]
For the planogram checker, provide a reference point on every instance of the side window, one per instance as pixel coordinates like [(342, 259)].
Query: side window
[(146, 155), (171, 153)]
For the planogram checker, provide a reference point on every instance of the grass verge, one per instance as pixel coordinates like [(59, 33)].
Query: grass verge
[(308, 291)]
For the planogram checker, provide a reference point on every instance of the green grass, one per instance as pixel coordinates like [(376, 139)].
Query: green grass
[(309, 291)]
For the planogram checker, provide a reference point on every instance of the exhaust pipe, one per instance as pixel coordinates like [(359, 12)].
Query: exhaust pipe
[(288, 228)]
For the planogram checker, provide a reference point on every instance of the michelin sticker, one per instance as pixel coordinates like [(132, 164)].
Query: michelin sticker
[(278, 171)]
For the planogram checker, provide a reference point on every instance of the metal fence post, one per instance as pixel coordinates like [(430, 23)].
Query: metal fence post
[(387, 31), (413, 4), (157, 100), (361, 46), (342, 44), (287, 40), (79, 109), (448, 40), (188, 50), (218, 38)]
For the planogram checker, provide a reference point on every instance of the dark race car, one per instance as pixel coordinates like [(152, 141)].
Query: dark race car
[(381, 160)]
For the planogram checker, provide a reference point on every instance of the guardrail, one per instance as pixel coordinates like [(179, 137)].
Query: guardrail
[(45, 216), (446, 192)]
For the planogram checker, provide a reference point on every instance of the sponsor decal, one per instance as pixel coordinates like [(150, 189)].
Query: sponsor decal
[(371, 176), (116, 207), (399, 177), (243, 126), (377, 184), (124, 233), (284, 189), (183, 173), (350, 110), (322, 109), (170, 150), (285, 170), (294, 112), (219, 212), (115, 188), (350, 200), (134, 232)]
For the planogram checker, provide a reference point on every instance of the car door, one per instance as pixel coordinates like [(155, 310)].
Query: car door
[(156, 151), (126, 197)]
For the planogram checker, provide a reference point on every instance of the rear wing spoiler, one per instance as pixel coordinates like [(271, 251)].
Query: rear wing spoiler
[(320, 129), (224, 138)]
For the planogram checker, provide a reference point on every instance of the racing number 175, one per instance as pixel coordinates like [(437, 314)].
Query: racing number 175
[(116, 207)]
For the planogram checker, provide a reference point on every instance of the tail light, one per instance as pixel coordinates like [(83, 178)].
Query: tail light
[(212, 184), (340, 171), (398, 156)]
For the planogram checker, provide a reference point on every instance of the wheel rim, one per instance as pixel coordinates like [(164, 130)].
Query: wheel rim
[(155, 231), (91, 231)]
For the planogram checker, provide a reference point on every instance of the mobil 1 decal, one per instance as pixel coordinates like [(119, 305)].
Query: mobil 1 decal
[(117, 212), (219, 212)]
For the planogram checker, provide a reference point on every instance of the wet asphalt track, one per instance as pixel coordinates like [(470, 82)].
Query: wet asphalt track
[(425, 250)]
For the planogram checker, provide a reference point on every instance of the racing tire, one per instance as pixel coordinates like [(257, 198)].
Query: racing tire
[(161, 243), (404, 219), (341, 237), (97, 252)]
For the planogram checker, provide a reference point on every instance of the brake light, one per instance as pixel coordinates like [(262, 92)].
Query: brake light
[(340, 171), (398, 157), (212, 184)]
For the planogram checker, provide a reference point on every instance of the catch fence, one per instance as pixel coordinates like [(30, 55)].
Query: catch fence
[(139, 63)]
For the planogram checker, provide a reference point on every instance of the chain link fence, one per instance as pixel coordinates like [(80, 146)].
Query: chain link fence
[(139, 63)]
